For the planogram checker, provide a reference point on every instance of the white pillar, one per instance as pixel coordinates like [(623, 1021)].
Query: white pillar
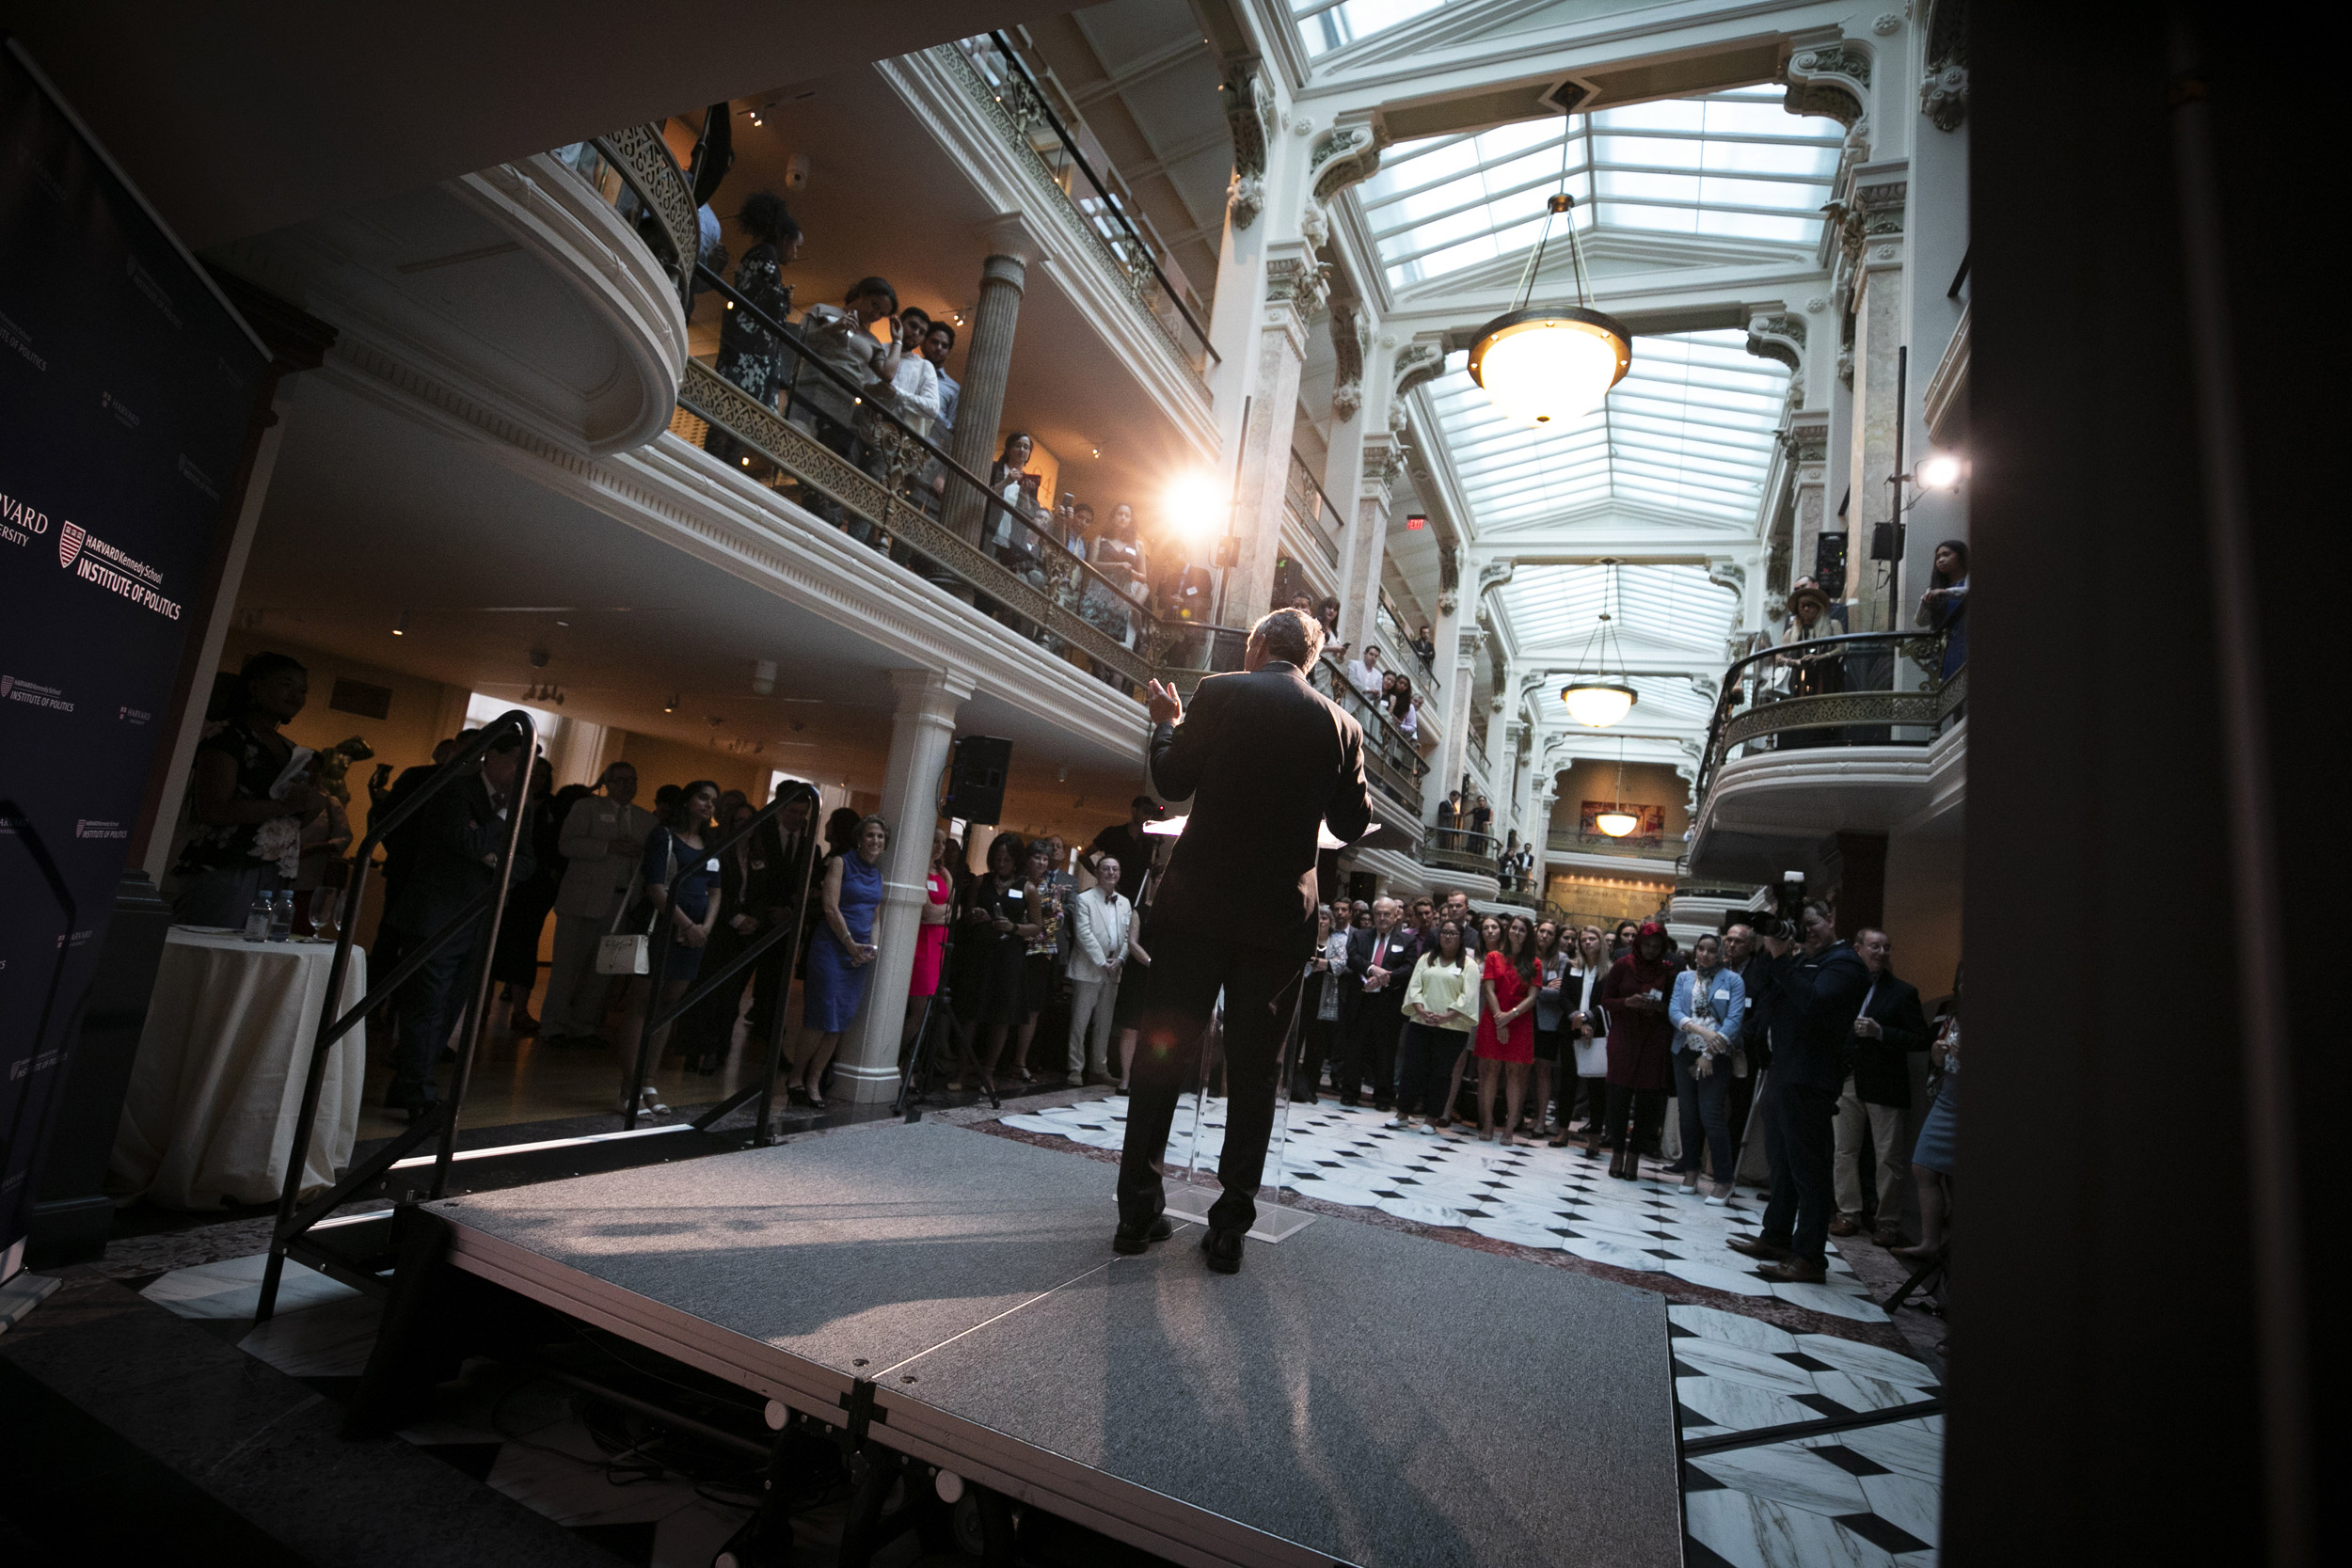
[(920, 734), (1459, 692), (1547, 791), (1294, 286)]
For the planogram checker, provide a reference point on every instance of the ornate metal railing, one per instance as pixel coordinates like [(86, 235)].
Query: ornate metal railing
[(1393, 764), (632, 170), (1403, 648), (992, 75), (887, 485), (1869, 688)]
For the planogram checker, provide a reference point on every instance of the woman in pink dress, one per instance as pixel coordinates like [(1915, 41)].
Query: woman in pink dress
[(930, 942)]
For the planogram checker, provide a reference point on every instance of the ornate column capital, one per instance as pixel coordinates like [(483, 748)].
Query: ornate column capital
[(1829, 78), (1299, 284), (1944, 91), (1347, 155), (1779, 336), (1351, 338)]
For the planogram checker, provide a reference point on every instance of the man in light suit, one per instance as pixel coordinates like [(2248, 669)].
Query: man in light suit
[(1267, 762), (601, 840)]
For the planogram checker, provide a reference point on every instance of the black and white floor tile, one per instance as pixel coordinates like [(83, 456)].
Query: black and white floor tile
[(1536, 1197), (1868, 1497)]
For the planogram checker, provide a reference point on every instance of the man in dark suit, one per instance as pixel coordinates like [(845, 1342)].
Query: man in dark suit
[(1878, 1090), (453, 847), (1267, 762), (1819, 993), (1744, 956), (1371, 1005)]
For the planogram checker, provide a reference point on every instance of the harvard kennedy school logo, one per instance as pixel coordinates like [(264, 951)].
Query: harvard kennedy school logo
[(70, 542)]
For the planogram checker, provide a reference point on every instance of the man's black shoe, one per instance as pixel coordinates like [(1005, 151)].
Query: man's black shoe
[(1222, 1248), (1127, 1242)]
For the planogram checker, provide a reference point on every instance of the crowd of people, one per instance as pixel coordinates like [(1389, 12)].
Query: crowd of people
[(1584, 1036)]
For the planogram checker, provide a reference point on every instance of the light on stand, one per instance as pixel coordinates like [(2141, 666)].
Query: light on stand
[(1193, 505), (1940, 472)]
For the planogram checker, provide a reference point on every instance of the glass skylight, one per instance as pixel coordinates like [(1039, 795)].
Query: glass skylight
[(1728, 166), (1689, 430), (1660, 611), (1328, 25)]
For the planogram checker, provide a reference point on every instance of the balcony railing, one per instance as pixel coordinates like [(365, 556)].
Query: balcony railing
[(1310, 511), (1392, 765), (1622, 849), (633, 171), (1403, 649), (843, 453), (1870, 688), (993, 74)]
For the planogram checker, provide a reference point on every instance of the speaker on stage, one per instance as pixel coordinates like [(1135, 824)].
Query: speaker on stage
[(975, 779)]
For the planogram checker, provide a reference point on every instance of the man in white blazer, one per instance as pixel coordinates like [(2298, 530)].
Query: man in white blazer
[(601, 840), (1104, 926)]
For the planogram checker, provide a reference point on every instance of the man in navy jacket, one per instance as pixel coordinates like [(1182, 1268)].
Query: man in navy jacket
[(1818, 993)]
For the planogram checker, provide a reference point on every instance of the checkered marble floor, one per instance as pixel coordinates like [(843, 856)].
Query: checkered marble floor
[(1863, 1498), (1536, 1197)]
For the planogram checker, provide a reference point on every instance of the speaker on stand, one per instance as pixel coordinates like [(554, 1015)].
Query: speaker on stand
[(975, 779)]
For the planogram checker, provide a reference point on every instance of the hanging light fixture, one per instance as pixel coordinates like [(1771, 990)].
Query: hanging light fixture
[(1602, 700), (1617, 821), (1549, 364)]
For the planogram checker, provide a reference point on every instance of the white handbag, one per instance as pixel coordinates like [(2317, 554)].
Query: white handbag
[(1591, 1058), (620, 952)]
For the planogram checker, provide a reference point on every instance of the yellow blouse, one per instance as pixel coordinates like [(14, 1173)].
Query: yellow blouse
[(1450, 990)]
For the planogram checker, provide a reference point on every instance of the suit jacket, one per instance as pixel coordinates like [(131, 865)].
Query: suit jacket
[(1882, 1074), (1267, 760), (1403, 951), (1759, 980), (1814, 1003), (594, 876), (451, 847)]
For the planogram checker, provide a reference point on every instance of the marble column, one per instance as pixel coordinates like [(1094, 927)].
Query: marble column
[(1294, 291), (1377, 458), (921, 733), (1547, 794), (987, 367), (1879, 321), (1459, 694)]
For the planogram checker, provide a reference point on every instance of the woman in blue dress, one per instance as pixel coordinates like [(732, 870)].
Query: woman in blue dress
[(1945, 605), (841, 957), (682, 886)]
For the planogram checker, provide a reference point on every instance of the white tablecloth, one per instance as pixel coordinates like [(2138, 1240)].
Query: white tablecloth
[(218, 1082)]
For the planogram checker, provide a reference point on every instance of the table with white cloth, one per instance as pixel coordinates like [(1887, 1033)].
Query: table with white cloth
[(218, 1082)]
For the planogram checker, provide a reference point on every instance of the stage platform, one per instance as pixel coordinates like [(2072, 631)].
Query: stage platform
[(1354, 1395)]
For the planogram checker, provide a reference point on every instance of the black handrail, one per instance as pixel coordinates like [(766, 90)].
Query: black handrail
[(988, 494), (293, 1216), (659, 1017), (1110, 201)]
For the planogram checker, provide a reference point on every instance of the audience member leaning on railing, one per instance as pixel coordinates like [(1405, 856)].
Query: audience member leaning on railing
[(1944, 608)]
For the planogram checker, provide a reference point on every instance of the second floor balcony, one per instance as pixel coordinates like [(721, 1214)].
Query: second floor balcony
[(1865, 733)]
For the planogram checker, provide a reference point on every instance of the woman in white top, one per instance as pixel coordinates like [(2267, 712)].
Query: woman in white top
[(1583, 1033), (1440, 1015)]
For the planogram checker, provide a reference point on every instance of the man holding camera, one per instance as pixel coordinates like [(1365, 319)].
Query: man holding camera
[(1819, 989)]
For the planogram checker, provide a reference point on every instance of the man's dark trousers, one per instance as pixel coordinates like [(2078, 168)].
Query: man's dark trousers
[(430, 1005), (1260, 992), (1368, 1048), (1800, 1142)]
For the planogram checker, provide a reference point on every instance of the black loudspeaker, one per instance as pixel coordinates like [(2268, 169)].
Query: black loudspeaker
[(1886, 541), (1829, 564), (975, 779)]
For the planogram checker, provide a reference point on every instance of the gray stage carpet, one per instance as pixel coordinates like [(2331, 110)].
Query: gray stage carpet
[(1355, 1394)]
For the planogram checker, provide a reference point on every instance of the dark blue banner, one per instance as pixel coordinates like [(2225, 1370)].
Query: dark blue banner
[(126, 388)]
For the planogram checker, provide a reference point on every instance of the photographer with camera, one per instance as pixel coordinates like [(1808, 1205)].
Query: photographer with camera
[(1818, 988)]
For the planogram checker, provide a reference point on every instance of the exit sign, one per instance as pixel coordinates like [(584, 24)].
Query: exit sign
[(1416, 521)]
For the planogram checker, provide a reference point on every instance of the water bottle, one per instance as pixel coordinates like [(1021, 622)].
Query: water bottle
[(258, 918), (281, 915)]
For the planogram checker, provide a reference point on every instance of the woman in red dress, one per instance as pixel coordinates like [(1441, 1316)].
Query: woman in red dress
[(1507, 1033), (930, 942), (1640, 1042)]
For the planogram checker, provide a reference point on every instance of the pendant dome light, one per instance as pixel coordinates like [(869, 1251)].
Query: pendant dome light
[(1549, 365), (1602, 699), (1617, 821)]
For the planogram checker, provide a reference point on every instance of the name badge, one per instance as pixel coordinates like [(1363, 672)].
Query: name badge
[(712, 864), (1723, 995)]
